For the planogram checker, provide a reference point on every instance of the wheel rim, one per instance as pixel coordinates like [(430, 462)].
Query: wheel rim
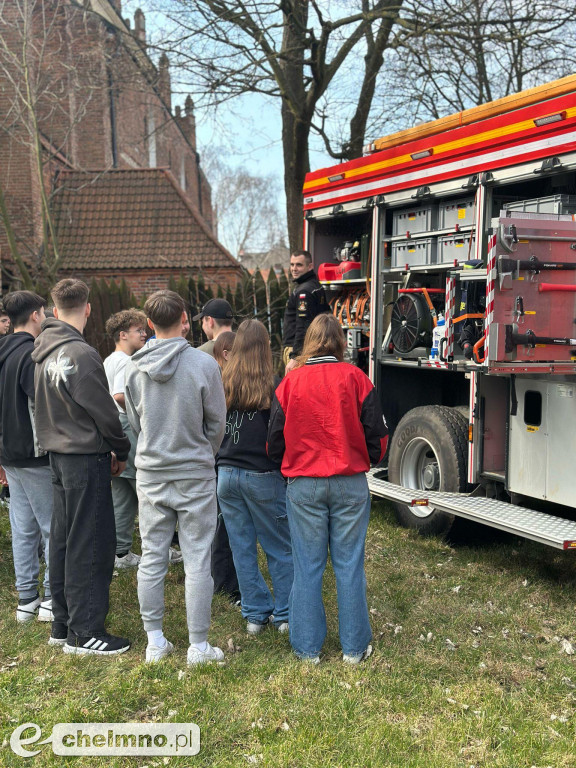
[(420, 469)]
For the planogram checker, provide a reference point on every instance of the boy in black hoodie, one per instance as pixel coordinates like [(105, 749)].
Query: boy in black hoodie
[(77, 423), (26, 466)]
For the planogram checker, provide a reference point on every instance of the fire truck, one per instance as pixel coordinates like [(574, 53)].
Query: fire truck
[(448, 252)]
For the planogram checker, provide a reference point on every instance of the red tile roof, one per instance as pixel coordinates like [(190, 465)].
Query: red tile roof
[(130, 219)]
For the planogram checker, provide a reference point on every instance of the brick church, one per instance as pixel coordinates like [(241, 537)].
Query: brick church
[(121, 174)]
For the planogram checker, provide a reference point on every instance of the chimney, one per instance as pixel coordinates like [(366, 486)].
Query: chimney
[(164, 81), (190, 121), (140, 27), (187, 121)]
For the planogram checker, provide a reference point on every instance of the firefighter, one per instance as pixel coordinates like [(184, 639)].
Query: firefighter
[(306, 301)]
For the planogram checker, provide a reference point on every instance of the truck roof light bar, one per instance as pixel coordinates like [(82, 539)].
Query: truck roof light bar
[(556, 118)]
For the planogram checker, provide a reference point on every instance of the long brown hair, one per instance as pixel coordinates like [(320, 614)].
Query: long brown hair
[(248, 377), (324, 337)]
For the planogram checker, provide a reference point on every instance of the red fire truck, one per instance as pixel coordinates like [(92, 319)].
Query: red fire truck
[(449, 255)]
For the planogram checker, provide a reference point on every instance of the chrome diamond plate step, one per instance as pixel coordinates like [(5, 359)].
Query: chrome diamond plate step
[(538, 526)]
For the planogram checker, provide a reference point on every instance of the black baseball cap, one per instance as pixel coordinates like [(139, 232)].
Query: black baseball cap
[(217, 308)]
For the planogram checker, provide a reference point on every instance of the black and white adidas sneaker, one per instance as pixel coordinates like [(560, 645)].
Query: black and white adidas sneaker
[(104, 645)]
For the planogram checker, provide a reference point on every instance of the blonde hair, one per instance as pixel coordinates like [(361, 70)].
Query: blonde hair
[(248, 377), (323, 337)]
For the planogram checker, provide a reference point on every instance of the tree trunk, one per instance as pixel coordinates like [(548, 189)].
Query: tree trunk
[(295, 134), (295, 123)]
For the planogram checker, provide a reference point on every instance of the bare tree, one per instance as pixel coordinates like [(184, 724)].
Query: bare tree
[(247, 205), (45, 88), (296, 51), (449, 55)]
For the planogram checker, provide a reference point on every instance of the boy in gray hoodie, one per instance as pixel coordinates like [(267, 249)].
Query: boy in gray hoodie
[(175, 405)]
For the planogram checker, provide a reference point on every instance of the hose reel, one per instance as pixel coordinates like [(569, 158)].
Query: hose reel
[(411, 323)]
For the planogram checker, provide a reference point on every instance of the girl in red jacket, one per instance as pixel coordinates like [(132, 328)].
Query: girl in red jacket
[(326, 428)]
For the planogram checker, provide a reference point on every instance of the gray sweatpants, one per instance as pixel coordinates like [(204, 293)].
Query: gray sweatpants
[(191, 504), (125, 510), (30, 516)]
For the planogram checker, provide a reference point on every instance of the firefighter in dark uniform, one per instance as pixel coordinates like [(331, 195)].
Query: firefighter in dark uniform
[(306, 301)]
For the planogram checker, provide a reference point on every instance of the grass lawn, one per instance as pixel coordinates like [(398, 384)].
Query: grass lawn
[(473, 665)]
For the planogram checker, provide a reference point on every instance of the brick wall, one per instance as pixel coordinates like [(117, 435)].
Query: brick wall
[(100, 106)]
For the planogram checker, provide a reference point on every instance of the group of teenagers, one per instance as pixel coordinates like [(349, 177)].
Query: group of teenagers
[(204, 429)]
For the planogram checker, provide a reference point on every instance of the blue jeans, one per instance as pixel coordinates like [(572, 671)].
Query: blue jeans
[(30, 515), (254, 508), (328, 513)]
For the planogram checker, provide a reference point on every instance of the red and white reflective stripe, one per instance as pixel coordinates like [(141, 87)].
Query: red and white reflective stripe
[(449, 315), (306, 234), (479, 221), (374, 277), (471, 420), (476, 163), (434, 364), (490, 288)]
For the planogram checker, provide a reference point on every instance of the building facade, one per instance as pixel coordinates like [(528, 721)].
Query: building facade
[(94, 106)]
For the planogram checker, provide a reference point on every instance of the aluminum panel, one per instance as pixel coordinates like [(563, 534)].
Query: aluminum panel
[(528, 444), (561, 458), (538, 526)]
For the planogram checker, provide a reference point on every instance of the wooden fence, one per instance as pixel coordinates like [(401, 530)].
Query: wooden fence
[(253, 297)]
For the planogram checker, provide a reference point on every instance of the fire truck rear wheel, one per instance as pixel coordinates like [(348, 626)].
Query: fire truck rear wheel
[(429, 452)]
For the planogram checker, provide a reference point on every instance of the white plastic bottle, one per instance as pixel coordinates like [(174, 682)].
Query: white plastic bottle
[(437, 334)]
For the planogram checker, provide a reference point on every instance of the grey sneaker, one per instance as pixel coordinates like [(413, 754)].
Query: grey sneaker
[(130, 560), (154, 653), (309, 659), (254, 629), (175, 556), (45, 611), (348, 659), (204, 657), (283, 627), (27, 611)]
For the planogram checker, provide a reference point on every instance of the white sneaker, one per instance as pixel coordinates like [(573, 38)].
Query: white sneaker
[(154, 653), (204, 657), (28, 611), (45, 611), (254, 629), (283, 627), (128, 561), (348, 659), (175, 556)]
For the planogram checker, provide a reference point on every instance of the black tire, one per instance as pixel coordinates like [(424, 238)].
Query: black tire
[(464, 411), (429, 451)]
